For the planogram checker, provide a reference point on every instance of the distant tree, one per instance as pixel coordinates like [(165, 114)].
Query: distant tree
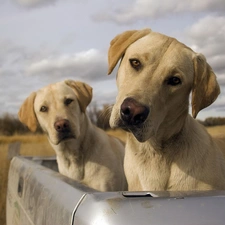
[(100, 116), (201, 122), (10, 125), (214, 121)]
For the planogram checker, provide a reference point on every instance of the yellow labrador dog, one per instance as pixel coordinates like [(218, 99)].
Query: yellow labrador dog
[(84, 152), (166, 148)]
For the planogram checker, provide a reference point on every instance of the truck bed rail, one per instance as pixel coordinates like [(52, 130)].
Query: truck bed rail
[(39, 195)]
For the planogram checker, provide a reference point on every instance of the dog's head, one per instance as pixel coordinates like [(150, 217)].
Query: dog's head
[(155, 77), (58, 108)]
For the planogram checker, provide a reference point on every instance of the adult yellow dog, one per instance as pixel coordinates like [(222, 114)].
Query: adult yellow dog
[(167, 149)]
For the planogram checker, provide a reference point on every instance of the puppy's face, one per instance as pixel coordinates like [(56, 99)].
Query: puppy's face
[(58, 112), (154, 81)]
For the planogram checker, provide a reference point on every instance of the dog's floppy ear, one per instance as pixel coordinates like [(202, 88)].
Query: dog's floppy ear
[(26, 113), (120, 43), (205, 87), (83, 92)]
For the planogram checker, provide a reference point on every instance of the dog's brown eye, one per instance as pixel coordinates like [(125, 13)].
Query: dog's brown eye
[(68, 101), (43, 109), (135, 63), (174, 81)]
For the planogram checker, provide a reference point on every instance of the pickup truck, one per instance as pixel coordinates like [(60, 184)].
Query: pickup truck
[(38, 195)]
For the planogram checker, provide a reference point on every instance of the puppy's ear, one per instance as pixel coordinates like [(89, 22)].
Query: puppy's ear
[(26, 113), (205, 87), (83, 92), (120, 43)]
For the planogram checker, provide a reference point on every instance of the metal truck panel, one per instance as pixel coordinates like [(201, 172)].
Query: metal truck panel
[(38, 195), (114, 208)]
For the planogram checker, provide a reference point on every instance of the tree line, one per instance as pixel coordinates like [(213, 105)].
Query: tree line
[(10, 124)]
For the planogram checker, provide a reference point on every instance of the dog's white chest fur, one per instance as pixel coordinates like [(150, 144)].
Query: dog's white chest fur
[(155, 177), (183, 166)]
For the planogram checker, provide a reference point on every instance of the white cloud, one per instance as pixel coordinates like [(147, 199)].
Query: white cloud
[(144, 9), (34, 3), (221, 80), (208, 29), (40, 3), (90, 65), (207, 36)]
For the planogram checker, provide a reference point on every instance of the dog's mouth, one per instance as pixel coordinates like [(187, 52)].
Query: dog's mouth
[(128, 127), (60, 138), (137, 130), (65, 136)]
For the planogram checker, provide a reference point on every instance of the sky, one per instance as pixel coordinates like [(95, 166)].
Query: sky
[(46, 41)]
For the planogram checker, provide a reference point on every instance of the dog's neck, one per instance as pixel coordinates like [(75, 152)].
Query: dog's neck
[(169, 132)]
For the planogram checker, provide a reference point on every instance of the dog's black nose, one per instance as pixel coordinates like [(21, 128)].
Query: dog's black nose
[(133, 112), (62, 125)]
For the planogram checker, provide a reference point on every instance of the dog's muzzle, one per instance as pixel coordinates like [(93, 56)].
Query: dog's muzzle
[(133, 113), (63, 129)]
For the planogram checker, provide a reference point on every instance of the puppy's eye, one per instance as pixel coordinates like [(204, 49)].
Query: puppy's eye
[(68, 101), (43, 109), (174, 81), (135, 63)]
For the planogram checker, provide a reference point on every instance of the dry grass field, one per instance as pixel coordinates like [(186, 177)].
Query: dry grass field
[(30, 145), (216, 130), (37, 145)]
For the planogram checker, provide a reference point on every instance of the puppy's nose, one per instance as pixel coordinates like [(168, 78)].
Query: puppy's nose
[(133, 112), (62, 125)]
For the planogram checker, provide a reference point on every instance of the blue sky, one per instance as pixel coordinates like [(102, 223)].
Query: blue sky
[(45, 41)]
